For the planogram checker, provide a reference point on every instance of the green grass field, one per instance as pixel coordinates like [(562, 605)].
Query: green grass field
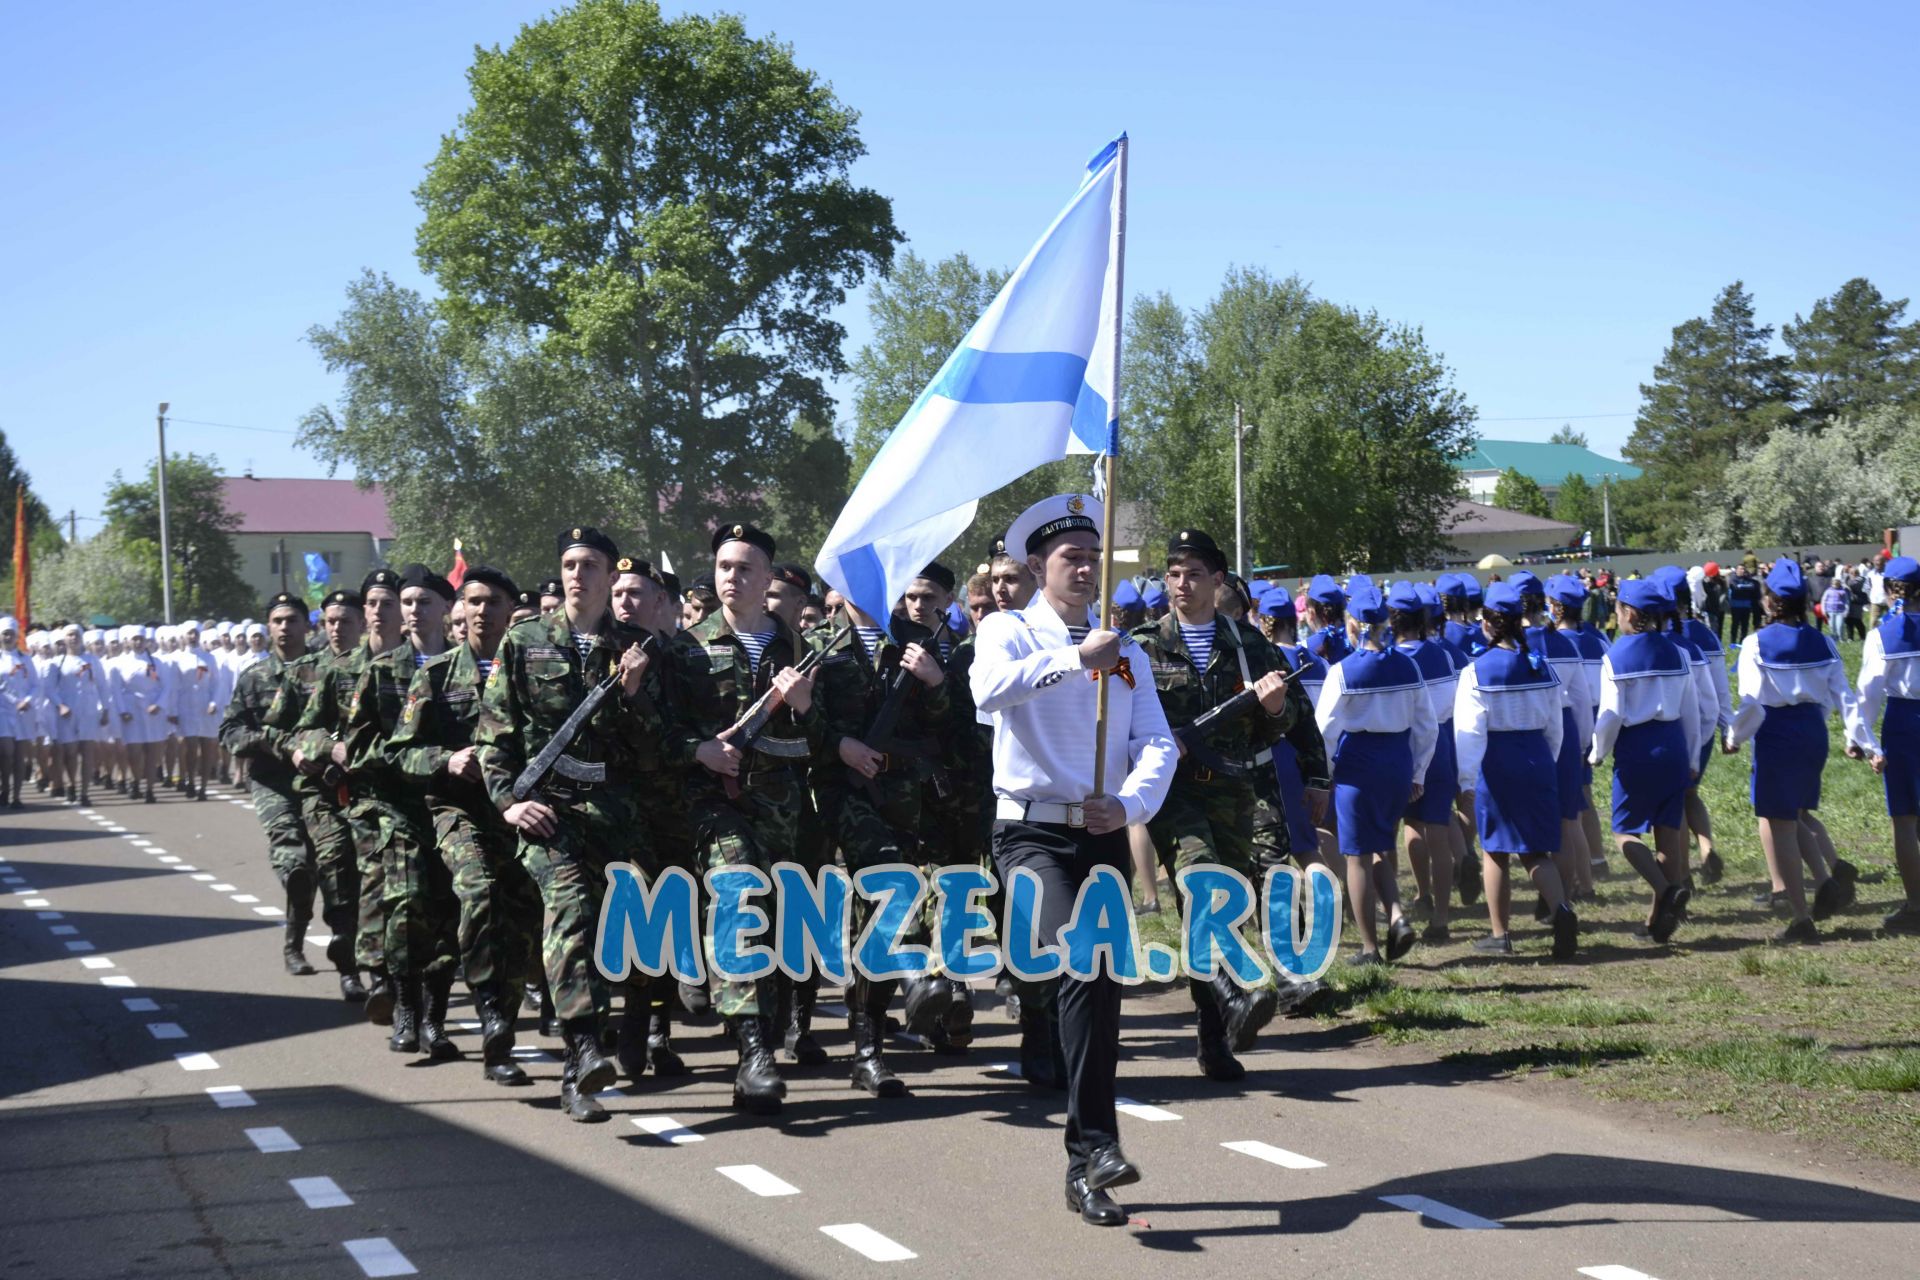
[(1818, 1042)]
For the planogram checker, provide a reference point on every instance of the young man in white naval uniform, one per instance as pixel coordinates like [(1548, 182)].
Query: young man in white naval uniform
[(1036, 673)]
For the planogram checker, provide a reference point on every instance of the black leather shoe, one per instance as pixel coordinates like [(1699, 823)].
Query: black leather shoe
[(1827, 898), (1712, 868), (1667, 918), (1109, 1167), (350, 989), (1566, 933), (1801, 932), (1399, 939), (1904, 921), (1094, 1207)]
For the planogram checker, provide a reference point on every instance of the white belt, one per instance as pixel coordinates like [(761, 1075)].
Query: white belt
[(1060, 815)]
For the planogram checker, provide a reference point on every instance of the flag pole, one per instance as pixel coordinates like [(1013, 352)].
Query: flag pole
[(1111, 461)]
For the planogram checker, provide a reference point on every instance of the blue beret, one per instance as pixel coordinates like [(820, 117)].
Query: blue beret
[(1470, 588), (1259, 587), (1324, 590), (1646, 595), (1669, 576), (1504, 598), (1155, 595), (1358, 581), (1278, 603), (1430, 597), (1903, 569), (1364, 602), (957, 619), (1527, 584), (1785, 579), (1448, 584), (1405, 597), (1126, 595), (1567, 590)]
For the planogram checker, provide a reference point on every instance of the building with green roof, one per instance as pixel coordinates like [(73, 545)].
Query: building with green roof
[(1545, 464)]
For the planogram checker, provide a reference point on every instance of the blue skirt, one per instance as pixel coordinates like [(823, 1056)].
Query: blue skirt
[(1900, 739), (1789, 754), (1302, 838), (1517, 804), (1372, 778), (1650, 768), (1570, 769), (1443, 781)]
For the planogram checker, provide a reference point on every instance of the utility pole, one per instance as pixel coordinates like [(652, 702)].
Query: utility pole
[(73, 526), (283, 564), (166, 552), (1606, 509), (1239, 493)]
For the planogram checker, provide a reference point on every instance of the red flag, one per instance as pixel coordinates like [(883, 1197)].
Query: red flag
[(459, 572), (22, 567)]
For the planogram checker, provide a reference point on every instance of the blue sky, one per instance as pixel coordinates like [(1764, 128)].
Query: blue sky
[(1545, 191)]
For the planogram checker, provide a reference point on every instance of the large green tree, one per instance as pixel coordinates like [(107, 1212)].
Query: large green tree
[(104, 574), (206, 566), (1852, 353), (663, 205), (1517, 491), (1719, 388), (1355, 424), (1578, 505), (1567, 434)]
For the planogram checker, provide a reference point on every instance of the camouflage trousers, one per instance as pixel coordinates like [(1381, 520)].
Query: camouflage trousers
[(417, 896), (758, 829), (499, 929), (569, 868), (1211, 823), (370, 940), (876, 827), (295, 845)]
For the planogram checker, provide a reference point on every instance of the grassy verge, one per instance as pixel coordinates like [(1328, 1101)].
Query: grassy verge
[(1821, 1043)]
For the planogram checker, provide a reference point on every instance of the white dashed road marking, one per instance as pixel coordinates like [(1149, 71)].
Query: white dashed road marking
[(1612, 1271), (63, 930), (118, 980), (80, 946), (1275, 1155), (221, 888), (35, 902), (246, 899), (229, 1095), (166, 1031), (204, 878), (1443, 1213), (668, 1130), (96, 962), (140, 1004), (266, 911), (1142, 1110), (378, 1257), (757, 1180), (49, 915), (320, 1193), (272, 1139), (864, 1240), (196, 1061)]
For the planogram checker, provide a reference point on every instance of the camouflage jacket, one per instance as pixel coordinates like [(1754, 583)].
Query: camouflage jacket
[(848, 690), (437, 719), (717, 683), (1187, 691), (538, 679), (969, 743), (312, 691), (372, 715), (245, 731)]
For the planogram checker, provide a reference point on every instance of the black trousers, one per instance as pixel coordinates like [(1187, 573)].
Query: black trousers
[(1742, 624), (1089, 1010)]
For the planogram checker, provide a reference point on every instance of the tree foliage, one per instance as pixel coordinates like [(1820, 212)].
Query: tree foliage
[(12, 477), (1566, 434), (1853, 354), (1803, 488), (105, 574), (1516, 491), (206, 566), (662, 208), (1578, 505)]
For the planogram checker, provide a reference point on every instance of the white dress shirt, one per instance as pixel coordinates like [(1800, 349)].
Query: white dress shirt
[(1401, 708), (1028, 676), (1764, 685), (1571, 667), (1637, 697), (1881, 677), (1479, 711)]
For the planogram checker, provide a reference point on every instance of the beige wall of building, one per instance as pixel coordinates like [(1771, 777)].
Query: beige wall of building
[(351, 556)]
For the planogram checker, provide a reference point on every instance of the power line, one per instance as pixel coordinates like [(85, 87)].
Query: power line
[(1563, 417), (234, 426)]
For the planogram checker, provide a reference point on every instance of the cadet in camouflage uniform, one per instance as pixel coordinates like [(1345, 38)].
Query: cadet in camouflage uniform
[(358, 626), (875, 799), (299, 861), (1200, 659), (580, 821), (746, 807), (432, 749), (421, 913)]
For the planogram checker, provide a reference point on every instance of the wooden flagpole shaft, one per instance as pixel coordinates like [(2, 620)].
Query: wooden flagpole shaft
[(1112, 497), (1106, 605)]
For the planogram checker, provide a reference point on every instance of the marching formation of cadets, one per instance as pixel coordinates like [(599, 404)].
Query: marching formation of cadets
[(382, 756)]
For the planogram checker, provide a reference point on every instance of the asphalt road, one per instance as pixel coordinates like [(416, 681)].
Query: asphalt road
[(172, 1104)]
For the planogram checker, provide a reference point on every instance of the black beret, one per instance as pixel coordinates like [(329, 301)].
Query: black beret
[(551, 587), (937, 572), (704, 583), (418, 575), (794, 576), (743, 533), (492, 577), (671, 581), (380, 578), (997, 550), (286, 600), (1194, 542), (638, 567), (526, 600), (351, 599), (586, 536)]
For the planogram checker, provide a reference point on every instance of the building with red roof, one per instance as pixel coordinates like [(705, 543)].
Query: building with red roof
[(282, 519)]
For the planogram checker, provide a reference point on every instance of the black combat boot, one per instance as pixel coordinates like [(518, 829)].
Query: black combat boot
[(433, 1022), (630, 1049), (379, 998), (407, 999), (798, 1038), (757, 1086), (928, 998), (1244, 1012), (496, 1036), (660, 1051), (586, 1073), (299, 916), (870, 1070), (960, 1016), (1214, 1054), (340, 956)]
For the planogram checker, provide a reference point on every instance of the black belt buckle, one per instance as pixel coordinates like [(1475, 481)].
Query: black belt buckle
[(1202, 774)]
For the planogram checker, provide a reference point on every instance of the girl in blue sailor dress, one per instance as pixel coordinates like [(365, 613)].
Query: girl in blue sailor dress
[(1508, 725), (1890, 677), (1568, 610), (1791, 679), (1716, 697), (1576, 735), (1649, 722), (1327, 616), (1303, 806), (1379, 726), (1429, 818)]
